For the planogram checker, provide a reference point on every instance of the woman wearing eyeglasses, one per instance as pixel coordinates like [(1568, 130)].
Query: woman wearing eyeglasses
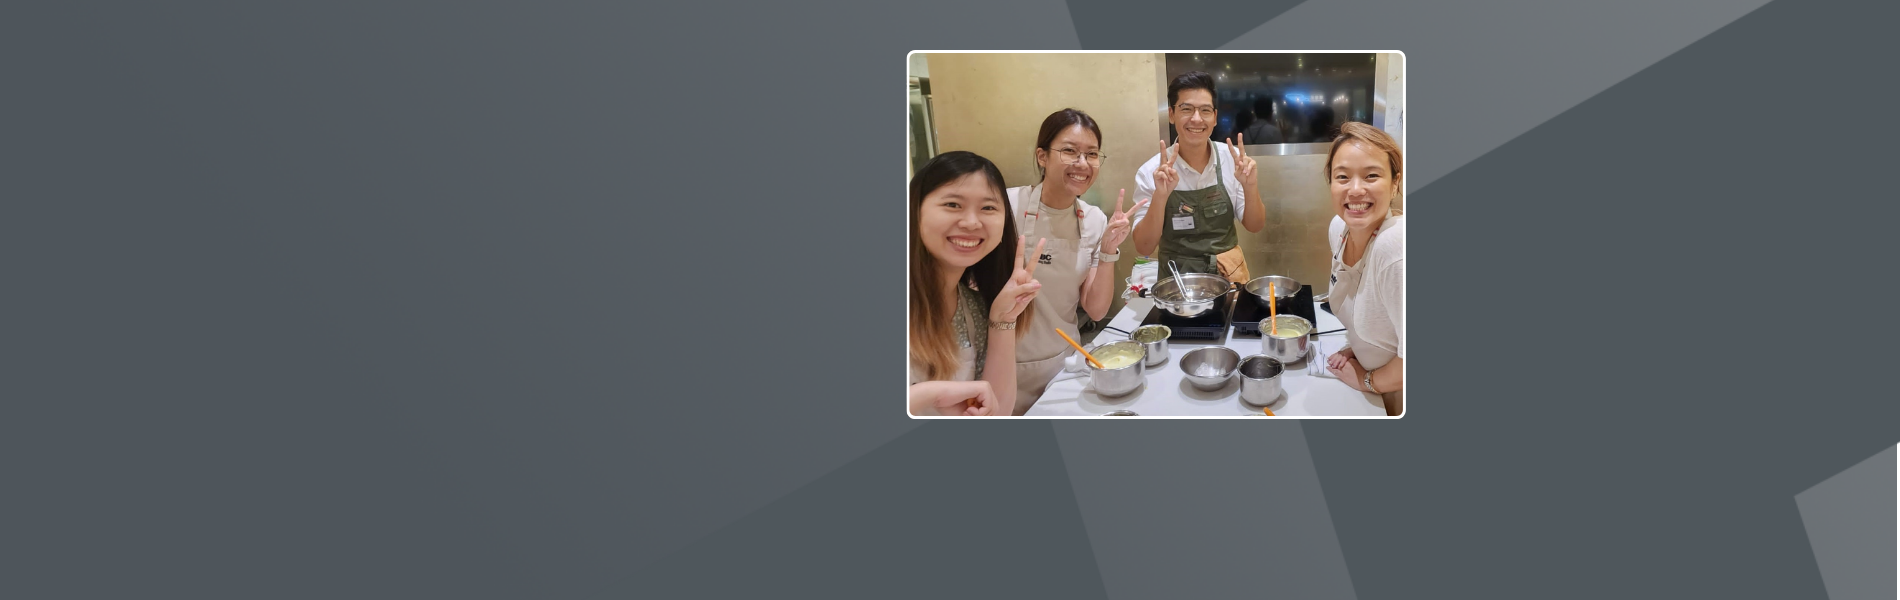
[(1077, 264), (1204, 185)]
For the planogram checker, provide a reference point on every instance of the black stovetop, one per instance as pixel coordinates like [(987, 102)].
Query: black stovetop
[(1248, 311), (1210, 325)]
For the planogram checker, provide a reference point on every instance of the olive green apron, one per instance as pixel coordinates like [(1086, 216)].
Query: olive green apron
[(1199, 225)]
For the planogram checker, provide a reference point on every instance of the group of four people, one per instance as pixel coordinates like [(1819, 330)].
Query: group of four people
[(985, 313)]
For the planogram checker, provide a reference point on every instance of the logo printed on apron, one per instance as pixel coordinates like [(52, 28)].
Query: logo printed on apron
[(1040, 351)]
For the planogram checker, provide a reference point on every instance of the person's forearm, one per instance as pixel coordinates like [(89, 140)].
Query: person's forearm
[(923, 397), (999, 368), (1391, 377), (1098, 291), (917, 402), (1256, 215), (1148, 231)]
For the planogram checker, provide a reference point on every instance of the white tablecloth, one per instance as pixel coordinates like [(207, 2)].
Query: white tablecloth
[(1167, 393)]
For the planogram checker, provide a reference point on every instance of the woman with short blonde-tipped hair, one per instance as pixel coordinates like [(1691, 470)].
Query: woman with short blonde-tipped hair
[(1366, 169)]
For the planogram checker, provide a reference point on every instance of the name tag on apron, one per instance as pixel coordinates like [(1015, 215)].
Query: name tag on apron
[(1183, 223)]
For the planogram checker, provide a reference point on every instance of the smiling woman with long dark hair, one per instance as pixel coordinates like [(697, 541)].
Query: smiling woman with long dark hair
[(969, 287)]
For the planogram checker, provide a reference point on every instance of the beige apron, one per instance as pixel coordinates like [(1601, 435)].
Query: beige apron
[(1061, 269), (1344, 297)]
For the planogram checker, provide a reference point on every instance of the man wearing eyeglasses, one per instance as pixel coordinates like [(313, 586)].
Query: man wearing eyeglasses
[(1205, 185)]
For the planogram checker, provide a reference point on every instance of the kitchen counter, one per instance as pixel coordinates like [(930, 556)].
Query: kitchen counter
[(1166, 393)]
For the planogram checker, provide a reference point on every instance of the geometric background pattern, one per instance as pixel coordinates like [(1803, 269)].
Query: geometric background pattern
[(371, 299)]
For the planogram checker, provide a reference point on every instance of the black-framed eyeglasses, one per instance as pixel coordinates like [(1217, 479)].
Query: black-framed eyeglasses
[(1071, 156), (1206, 112)]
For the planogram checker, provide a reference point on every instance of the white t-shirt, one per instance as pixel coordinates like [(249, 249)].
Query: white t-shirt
[(1374, 314), (1190, 180)]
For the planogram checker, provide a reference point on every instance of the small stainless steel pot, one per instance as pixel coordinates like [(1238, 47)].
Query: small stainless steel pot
[(1121, 380), (1284, 288), (1260, 379), (1154, 341), (1290, 345)]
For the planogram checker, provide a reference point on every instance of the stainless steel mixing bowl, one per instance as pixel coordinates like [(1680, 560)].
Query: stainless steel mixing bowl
[(1194, 294), (1209, 368)]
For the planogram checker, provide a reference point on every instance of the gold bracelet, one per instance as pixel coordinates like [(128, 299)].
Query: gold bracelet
[(1002, 325)]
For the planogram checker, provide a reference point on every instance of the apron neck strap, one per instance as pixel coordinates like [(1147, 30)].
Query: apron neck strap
[(1035, 193)]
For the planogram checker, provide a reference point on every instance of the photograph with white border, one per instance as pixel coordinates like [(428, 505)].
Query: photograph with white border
[(1266, 279)]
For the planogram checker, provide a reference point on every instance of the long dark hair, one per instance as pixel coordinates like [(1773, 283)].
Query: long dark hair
[(932, 340)]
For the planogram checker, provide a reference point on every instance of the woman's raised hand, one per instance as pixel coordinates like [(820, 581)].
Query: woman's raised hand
[(1021, 288)]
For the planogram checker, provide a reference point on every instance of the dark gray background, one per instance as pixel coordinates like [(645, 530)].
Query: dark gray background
[(479, 300)]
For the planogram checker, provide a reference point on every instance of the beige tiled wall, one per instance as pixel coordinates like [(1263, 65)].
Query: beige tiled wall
[(1299, 207), (993, 104)]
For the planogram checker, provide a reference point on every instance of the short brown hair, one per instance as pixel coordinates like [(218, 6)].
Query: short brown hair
[(1191, 80)]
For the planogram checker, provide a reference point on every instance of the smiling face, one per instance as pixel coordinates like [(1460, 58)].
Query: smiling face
[(1192, 114), (1074, 177), (1362, 185), (962, 221)]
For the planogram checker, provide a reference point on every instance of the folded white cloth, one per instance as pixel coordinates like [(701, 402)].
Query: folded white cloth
[(1144, 275), (1074, 366)]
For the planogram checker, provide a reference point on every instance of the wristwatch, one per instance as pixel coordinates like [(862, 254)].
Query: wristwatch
[(1005, 325), (1101, 257), (1367, 381)]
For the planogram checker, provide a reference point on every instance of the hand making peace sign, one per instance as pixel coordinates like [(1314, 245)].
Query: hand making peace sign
[(1165, 177), (1118, 224), (1021, 287), (1243, 164)]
